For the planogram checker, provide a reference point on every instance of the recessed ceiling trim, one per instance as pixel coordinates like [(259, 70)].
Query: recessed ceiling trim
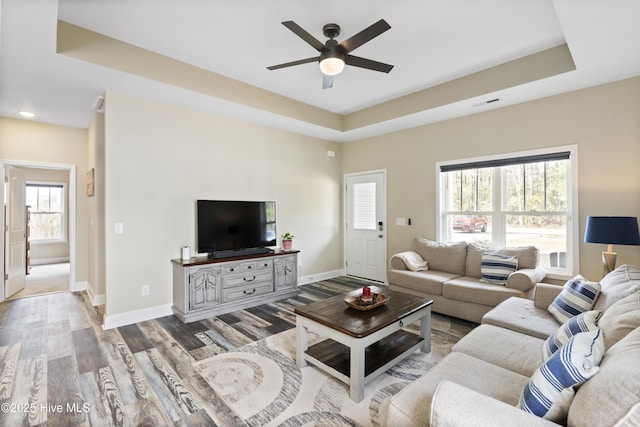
[(547, 63), (96, 48)]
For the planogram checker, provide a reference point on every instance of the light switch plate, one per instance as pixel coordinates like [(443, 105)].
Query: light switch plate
[(118, 228)]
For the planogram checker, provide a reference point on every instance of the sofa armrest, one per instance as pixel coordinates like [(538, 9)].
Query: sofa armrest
[(545, 293), (455, 405), (525, 278), (397, 263)]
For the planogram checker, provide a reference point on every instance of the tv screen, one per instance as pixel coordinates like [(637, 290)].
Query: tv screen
[(227, 225)]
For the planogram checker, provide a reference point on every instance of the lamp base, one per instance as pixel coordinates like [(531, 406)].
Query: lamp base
[(608, 262)]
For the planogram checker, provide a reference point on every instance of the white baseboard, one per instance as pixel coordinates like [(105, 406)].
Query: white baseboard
[(46, 261), (78, 286), (135, 316), (304, 280), (99, 299), (149, 313)]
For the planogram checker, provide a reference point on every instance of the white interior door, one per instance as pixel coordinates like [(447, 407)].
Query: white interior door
[(16, 249), (365, 235)]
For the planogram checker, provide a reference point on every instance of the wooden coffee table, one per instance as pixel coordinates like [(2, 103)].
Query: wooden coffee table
[(361, 345)]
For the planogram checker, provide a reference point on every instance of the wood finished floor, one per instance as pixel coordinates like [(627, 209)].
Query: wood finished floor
[(59, 368)]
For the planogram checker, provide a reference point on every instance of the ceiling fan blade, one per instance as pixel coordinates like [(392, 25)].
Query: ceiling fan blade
[(327, 82), (292, 63), (374, 30), (356, 61), (304, 35)]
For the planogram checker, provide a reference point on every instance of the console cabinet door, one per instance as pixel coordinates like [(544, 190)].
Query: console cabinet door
[(204, 285), (285, 272)]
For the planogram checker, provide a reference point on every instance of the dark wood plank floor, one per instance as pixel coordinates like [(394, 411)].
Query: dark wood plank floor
[(59, 368)]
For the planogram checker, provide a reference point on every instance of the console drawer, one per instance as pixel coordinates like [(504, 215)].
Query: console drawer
[(241, 292), (246, 279)]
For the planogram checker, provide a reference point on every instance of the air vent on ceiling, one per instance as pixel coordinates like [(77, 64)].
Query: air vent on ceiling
[(483, 103)]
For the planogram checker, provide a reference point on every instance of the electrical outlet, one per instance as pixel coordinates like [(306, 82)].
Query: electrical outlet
[(145, 290)]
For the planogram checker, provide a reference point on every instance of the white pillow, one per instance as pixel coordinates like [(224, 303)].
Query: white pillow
[(583, 322), (549, 392), (413, 261), (496, 268), (578, 295)]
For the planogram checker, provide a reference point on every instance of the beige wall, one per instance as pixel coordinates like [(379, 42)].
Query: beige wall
[(96, 250), (30, 142), (160, 159), (603, 121)]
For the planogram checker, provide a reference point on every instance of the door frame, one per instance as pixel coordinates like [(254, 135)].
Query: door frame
[(72, 194), (344, 213)]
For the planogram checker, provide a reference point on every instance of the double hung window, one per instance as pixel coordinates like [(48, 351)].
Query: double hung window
[(47, 213), (515, 200)]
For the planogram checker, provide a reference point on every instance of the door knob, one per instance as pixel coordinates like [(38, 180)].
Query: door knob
[(380, 236)]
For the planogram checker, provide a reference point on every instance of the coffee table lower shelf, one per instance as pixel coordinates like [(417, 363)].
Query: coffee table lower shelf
[(378, 357)]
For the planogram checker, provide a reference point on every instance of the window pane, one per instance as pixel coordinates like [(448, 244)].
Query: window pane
[(55, 199), (557, 185), (46, 226), (534, 182), (364, 206), (469, 228), (547, 233), (469, 190)]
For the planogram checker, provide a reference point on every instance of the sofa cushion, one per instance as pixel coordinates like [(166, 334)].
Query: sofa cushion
[(609, 396), (620, 319), (422, 281), (549, 392), (447, 257), (578, 295), (502, 347), (583, 322), (520, 315), (412, 405), (623, 281), (525, 278), (473, 290), (496, 268)]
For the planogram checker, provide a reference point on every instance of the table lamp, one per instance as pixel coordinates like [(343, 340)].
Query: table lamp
[(611, 230)]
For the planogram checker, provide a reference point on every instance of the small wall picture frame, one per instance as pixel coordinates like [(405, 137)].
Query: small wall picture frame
[(91, 189)]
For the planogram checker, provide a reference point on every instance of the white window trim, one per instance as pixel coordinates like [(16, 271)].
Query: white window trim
[(573, 229), (65, 237)]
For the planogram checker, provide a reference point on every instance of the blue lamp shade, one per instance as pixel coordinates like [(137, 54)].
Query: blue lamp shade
[(612, 230)]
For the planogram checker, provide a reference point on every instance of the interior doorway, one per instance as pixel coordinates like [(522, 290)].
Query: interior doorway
[(53, 267)]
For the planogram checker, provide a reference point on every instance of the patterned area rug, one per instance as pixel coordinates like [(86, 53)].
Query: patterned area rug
[(263, 385)]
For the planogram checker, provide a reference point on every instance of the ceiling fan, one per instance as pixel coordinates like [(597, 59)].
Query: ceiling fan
[(334, 56)]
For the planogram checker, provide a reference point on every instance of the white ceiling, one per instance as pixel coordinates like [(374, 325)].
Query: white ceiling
[(430, 42)]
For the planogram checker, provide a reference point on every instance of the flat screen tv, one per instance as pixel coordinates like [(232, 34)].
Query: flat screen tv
[(231, 228)]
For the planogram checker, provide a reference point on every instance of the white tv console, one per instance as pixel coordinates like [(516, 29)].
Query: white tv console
[(205, 287)]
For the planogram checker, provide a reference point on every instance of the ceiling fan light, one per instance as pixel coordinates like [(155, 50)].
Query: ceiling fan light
[(331, 66)]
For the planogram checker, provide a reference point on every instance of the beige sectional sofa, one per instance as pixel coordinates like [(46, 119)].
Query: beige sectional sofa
[(481, 381), (453, 282)]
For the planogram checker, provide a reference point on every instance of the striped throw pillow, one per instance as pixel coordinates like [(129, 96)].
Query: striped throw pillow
[(583, 322), (496, 268), (577, 296), (549, 392)]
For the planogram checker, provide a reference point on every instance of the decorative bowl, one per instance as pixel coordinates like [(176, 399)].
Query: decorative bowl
[(357, 303)]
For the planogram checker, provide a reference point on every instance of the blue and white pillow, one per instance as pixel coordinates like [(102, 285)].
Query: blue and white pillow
[(549, 392), (577, 296), (584, 322), (496, 268)]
